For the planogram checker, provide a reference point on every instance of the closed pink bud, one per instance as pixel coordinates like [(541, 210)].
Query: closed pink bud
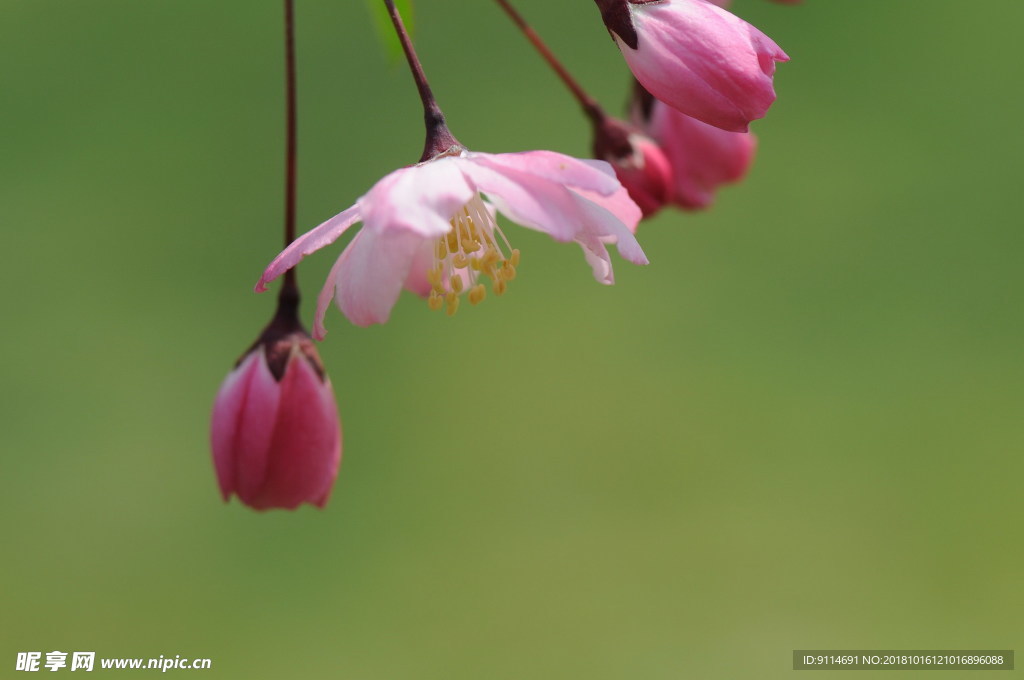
[(639, 164), (697, 58), (702, 156), (275, 433)]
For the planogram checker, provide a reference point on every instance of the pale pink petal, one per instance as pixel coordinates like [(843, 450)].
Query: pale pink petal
[(596, 254), (371, 272), (306, 442), (606, 226), (420, 199), (620, 204), (422, 260), (531, 201), (562, 213), (323, 300), (589, 174), (310, 242)]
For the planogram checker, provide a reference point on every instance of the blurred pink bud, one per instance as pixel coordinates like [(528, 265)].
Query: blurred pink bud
[(275, 432), (702, 156), (697, 58), (639, 164)]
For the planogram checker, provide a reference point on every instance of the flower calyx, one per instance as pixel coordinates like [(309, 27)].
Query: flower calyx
[(619, 21)]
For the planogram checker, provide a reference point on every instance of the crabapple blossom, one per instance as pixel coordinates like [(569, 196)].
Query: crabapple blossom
[(431, 228)]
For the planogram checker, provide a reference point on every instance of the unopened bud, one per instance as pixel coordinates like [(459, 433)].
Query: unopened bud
[(275, 432), (638, 161)]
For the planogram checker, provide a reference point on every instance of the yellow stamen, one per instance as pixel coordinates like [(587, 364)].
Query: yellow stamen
[(477, 294), (465, 255)]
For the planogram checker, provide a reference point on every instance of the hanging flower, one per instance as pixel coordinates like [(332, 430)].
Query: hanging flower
[(697, 58), (275, 433), (639, 162), (702, 157), (427, 228)]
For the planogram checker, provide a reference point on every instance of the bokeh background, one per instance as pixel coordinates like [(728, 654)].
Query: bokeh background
[(800, 427)]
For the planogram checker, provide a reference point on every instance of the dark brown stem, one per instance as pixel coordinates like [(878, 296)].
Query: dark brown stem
[(590, 106), (439, 137), (288, 297)]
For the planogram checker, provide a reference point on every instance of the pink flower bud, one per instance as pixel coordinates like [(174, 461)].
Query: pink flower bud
[(639, 164), (275, 433), (697, 58), (702, 156)]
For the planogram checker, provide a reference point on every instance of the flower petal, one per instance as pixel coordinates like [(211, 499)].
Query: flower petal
[(621, 204), (596, 253), (703, 61), (703, 157), (587, 174), (604, 224), (370, 274), (420, 199), (255, 426), (534, 202), (323, 300), (422, 260), (306, 443), (224, 423), (310, 242)]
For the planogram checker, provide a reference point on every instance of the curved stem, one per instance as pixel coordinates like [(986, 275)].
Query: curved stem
[(590, 106), (439, 137)]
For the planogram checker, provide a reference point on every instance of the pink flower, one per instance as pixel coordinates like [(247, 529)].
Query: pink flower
[(726, 3), (697, 58), (702, 156), (426, 228), (638, 161), (275, 433)]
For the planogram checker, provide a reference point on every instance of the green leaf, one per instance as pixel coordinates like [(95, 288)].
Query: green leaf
[(385, 30)]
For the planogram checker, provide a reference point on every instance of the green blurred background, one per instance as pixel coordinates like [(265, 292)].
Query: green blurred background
[(800, 427)]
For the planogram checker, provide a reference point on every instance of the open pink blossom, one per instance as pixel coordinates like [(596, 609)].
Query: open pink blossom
[(703, 157), (697, 58), (275, 433), (427, 228)]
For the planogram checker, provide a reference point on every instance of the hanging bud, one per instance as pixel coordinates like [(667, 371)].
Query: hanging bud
[(702, 157), (697, 58), (638, 161), (275, 432)]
